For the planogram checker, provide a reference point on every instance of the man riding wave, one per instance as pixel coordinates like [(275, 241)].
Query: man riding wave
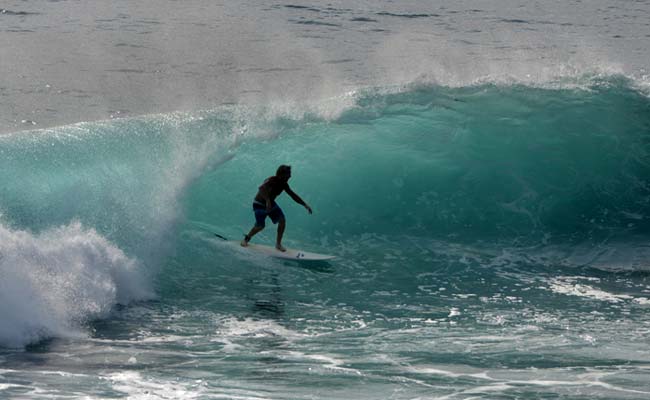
[(264, 204)]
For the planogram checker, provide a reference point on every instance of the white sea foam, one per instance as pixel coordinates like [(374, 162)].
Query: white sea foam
[(256, 328), (137, 386), (570, 286), (53, 282)]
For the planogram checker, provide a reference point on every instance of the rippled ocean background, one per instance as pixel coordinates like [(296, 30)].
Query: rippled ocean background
[(481, 170)]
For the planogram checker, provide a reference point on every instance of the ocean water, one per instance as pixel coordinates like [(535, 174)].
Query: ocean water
[(480, 170)]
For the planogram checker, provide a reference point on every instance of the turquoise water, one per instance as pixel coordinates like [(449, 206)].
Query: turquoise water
[(491, 243)]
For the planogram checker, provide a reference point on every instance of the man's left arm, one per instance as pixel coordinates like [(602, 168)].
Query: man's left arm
[(297, 198)]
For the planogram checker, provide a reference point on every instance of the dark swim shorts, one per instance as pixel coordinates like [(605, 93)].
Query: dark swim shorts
[(276, 214)]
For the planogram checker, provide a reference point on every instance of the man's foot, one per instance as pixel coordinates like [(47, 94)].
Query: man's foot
[(244, 242), (279, 247)]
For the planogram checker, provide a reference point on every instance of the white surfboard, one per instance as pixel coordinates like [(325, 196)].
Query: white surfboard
[(290, 254)]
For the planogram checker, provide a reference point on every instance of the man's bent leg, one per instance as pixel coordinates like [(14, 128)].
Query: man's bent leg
[(278, 243), (255, 230)]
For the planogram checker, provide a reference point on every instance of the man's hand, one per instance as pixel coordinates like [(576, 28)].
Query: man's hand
[(308, 208)]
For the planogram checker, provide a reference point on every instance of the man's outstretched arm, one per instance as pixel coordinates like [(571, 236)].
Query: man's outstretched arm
[(297, 199)]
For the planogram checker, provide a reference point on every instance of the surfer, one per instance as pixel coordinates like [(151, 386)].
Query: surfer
[(264, 204)]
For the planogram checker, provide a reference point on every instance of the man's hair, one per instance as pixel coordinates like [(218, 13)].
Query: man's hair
[(283, 170)]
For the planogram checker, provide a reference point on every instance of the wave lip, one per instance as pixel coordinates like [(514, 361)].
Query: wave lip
[(55, 282)]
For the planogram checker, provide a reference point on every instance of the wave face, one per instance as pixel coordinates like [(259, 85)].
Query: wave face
[(478, 163), (482, 217)]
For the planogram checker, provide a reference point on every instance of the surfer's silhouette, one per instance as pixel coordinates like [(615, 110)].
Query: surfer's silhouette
[(264, 204)]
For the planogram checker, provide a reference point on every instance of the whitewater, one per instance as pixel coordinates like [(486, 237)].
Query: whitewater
[(480, 170)]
